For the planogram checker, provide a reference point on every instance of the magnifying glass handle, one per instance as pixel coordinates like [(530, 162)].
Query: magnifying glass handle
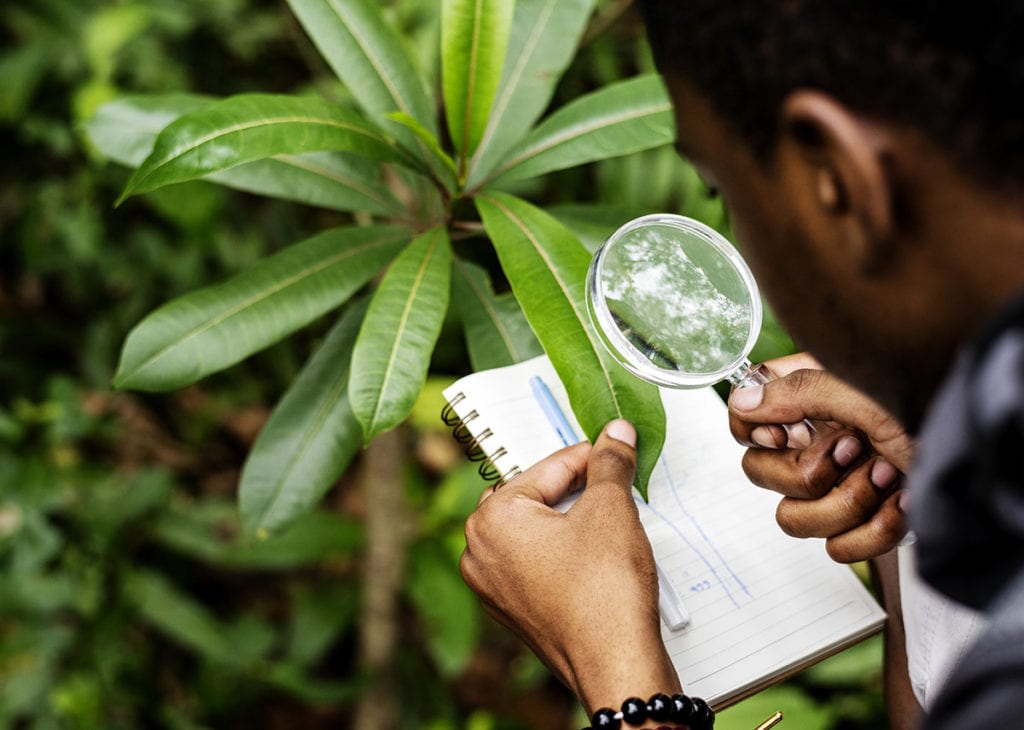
[(798, 434)]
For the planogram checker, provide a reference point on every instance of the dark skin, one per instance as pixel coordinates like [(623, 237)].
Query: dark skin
[(876, 253), (880, 257)]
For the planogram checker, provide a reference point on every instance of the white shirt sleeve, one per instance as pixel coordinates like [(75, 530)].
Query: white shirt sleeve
[(938, 630)]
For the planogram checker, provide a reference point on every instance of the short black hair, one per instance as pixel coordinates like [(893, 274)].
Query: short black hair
[(952, 70)]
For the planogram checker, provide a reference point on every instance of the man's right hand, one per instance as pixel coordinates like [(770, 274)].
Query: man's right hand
[(846, 485)]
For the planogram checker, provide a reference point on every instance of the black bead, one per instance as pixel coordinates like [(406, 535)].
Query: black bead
[(682, 708), (634, 711), (659, 707), (605, 718), (703, 717)]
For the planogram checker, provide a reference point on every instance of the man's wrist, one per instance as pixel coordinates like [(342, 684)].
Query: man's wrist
[(626, 668)]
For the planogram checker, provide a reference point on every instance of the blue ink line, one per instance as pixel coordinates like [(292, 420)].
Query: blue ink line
[(557, 419), (694, 548), (696, 525)]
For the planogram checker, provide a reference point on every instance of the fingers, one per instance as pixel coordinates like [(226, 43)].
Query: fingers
[(782, 366), (876, 537), (806, 473), (549, 480), (612, 464), (819, 396), (850, 504)]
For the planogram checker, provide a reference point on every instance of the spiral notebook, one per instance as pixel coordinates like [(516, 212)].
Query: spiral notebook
[(762, 605)]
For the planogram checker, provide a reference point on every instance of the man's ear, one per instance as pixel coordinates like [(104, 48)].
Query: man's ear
[(845, 161)]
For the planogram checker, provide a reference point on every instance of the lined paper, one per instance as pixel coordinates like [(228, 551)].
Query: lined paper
[(761, 604)]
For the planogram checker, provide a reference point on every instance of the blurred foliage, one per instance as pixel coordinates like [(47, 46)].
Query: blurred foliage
[(128, 594)]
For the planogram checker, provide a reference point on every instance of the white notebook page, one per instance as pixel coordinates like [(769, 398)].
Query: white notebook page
[(761, 603)]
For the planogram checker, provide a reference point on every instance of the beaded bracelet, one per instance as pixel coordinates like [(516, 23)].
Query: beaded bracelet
[(693, 711)]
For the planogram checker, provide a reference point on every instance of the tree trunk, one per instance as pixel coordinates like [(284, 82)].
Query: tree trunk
[(383, 568)]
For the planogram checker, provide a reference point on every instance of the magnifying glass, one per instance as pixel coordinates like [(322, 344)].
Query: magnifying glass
[(676, 304)]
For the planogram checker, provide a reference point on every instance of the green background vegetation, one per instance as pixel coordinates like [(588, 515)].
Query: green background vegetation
[(129, 594)]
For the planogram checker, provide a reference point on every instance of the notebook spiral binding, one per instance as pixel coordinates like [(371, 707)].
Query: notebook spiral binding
[(474, 446)]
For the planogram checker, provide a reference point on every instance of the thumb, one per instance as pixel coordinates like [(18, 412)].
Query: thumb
[(612, 462), (817, 395)]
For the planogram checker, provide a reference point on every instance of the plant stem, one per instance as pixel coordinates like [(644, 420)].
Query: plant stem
[(383, 568)]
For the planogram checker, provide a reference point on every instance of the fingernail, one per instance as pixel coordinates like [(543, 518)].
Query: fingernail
[(883, 473), (747, 399), (903, 502), (621, 430), (764, 436), (846, 450), (799, 436)]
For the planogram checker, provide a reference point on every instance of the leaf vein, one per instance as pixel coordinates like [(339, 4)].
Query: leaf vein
[(577, 131), (256, 298), (565, 291), (242, 126), (374, 61), (471, 81), (506, 336), (403, 321), (308, 165), (337, 391), (508, 91)]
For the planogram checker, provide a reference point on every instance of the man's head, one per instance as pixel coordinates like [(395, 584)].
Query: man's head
[(872, 157)]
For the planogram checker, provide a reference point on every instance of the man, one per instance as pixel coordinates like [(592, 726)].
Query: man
[(874, 175)]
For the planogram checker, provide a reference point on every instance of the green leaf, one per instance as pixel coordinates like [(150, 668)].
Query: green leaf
[(619, 119), (310, 438), (450, 612), (798, 707), (322, 611), (335, 180), (497, 332), (773, 341), (22, 68), (392, 352), (170, 610), (593, 223), (251, 127), (545, 34), (546, 266), (474, 39), (368, 56), (428, 140), (125, 129), (311, 539), (851, 667), (213, 328)]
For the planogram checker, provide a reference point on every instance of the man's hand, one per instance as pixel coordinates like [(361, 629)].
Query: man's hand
[(846, 485), (580, 588)]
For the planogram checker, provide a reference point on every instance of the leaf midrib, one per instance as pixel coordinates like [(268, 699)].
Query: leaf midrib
[(565, 291), (253, 300), (574, 132), (503, 332), (508, 91), (303, 163), (264, 122), (374, 61), (337, 392), (467, 113), (413, 291)]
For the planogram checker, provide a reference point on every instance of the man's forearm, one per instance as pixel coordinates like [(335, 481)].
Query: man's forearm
[(901, 704)]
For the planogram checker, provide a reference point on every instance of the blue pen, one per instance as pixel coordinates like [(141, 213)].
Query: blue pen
[(550, 407), (671, 607)]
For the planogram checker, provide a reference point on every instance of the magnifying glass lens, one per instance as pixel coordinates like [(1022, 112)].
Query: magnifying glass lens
[(674, 302)]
